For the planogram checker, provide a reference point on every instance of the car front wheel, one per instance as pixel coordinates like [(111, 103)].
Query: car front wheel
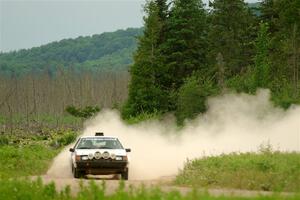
[(124, 175), (76, 173)]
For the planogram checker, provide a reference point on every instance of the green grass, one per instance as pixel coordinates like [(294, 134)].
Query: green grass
[(266, 170), (36, 190), (31, 154), (44, 120), (25, 160)]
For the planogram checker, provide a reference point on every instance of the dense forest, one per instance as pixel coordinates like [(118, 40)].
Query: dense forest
[(107, 51), (188, 53)]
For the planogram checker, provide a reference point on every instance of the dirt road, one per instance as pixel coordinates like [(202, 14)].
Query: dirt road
[(60, 174)]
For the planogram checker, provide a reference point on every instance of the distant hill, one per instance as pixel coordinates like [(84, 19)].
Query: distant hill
[(106, 51), (111, 51)]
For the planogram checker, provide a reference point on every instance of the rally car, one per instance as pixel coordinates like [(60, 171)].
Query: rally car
[(99, 155)]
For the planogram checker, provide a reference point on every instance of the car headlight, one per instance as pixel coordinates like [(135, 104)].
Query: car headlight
[(84, 157), (119, 158)]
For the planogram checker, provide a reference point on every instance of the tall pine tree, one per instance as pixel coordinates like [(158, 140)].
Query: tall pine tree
[(184, 49), (230, 35), (144, 93), (261, 59), (284, 20)]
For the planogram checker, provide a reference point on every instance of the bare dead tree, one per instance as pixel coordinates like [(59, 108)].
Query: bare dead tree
[(49, 96)]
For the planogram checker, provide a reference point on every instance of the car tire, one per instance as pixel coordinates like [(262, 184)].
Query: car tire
[(124, 175), (76, 173)]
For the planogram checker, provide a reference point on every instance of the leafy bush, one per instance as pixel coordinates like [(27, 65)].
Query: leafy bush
[(143, 117), (67, 138), (63, 138), (85, 113), (3, 140), (192, 98), (267, 170)]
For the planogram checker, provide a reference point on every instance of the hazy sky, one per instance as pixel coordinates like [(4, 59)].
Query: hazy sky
[(30, 23)]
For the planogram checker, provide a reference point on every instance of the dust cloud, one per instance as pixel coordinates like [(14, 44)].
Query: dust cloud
[(233, 123)]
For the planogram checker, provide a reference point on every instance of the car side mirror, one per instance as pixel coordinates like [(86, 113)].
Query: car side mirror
[(71, 149), (128, 150)]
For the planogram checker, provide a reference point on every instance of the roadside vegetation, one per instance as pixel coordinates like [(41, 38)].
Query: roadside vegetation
[(266, 170), (26, 160), (34, 190), (31, 154), (143, 117)]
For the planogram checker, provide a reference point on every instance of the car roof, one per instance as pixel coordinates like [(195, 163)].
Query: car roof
[(98, 137)]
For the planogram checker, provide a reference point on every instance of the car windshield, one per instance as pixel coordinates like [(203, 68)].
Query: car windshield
[(99, 143)]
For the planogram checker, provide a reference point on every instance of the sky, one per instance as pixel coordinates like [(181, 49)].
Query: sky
[(31, 23)]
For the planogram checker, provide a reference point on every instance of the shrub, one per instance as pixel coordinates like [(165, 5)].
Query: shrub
[(192, 98), (67, 138), (63, 138), (3, 140), (143, 117), (85, 113)]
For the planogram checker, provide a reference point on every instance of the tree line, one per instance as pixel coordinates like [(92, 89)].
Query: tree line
[(107, 51), (189, 52)]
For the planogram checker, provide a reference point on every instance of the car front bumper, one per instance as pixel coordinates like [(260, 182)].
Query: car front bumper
[(101, 167)]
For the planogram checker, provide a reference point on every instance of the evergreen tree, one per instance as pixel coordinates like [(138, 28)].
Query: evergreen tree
[(262, 66), (183, 51), (162, 9), (230, 35), (144, 94), (284, 20), (163, 15), (259, 75)]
